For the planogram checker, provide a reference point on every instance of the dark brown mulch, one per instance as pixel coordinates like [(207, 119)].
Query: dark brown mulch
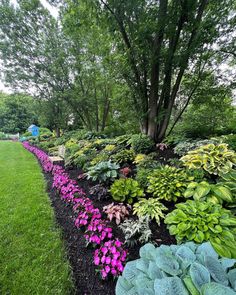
[(86, 280)]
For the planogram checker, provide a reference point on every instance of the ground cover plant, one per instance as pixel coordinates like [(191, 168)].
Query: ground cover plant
[(32, 255)]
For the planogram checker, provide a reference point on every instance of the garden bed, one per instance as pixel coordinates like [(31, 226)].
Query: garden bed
[(87, 280)]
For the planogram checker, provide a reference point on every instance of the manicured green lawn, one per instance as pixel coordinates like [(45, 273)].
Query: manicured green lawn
[(32, 256)]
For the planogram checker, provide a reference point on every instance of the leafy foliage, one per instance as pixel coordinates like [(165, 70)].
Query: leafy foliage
[(168, 183), (184, 147), (186, 269), (214, 159), (204, 221), (150, 208), (124, 156), (99, 191), (103, 171), (215, 193), (229, 180), (126, 189), (116, 211), (142, 177), (141, 143), (136, 231)]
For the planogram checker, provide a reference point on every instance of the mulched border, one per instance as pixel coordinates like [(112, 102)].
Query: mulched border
[(86, 280)]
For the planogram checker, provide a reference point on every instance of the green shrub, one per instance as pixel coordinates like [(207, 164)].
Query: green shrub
[(150, 208), (141, 143), (186, 269), (214, 159), (103, 171), (204, 191), (204, 221), (136, 231), (126, 189), (168, 183), (124, 156)]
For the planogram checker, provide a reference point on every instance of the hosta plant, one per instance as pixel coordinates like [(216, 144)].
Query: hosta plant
[(215, 193), (186, 269), (215, 159), (168, 183), (136, 231), (141, 143), (124, 156), (116, 211), (126, 189), (204, 221), (99, 191), (183, 147), (141, 176), (103, 171), (150, 208), (229, 180)]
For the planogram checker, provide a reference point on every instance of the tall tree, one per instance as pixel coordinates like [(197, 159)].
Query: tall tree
[(161, 41)]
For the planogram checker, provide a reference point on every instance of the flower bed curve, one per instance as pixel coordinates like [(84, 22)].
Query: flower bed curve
[(110, 255)]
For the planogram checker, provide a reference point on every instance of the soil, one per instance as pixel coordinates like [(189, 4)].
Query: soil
[(86, 279)]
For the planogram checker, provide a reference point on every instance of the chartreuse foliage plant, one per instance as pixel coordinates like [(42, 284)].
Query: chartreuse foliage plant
[(125, 190), (103, 171), (168, 183), (150, 208), (200, 221), (214, 159), (186, 269), (215, 193)]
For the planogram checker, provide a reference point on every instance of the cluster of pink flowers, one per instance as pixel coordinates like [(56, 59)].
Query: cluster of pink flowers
[(110, 257), (98, 231)]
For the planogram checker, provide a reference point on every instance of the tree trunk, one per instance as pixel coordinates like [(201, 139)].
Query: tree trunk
[(58, 132)]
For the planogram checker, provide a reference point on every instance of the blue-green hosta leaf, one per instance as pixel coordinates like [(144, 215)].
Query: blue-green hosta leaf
[(154, 271), (146, 291), (168, 264), (199, 275), (174, 248), (142, 265), (170, 286), (185, 253), (148, 251), (227, 262), (216, 289), (123, 286), (232, 278), (207, 249), (191, 245), (216, 270), (130, 272)]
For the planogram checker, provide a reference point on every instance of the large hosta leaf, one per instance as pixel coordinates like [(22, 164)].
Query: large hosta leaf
[(123, 286), (216, 270), (148, 251), (168, 264), (207, 249), (130, 272), (232, 278), (170, 286), (199, 275), (216, 289)]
